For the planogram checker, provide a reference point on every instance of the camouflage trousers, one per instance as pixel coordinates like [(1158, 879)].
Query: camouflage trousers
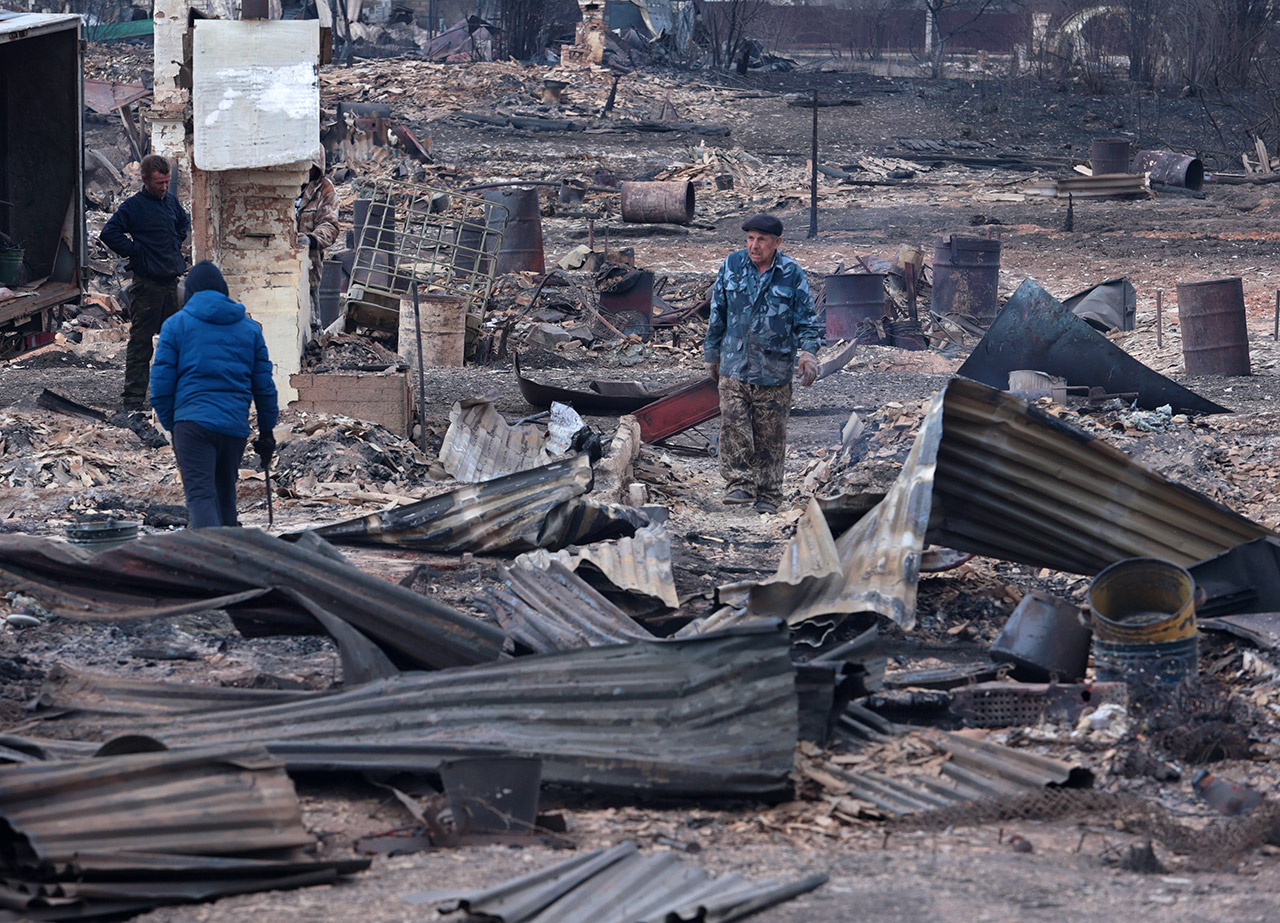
[(753, 437)]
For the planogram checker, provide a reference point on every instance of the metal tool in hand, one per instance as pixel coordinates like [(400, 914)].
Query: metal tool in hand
[(264, 456)]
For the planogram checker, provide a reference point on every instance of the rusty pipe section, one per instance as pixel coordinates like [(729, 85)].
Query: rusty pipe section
[(657, 203), (1171, 168)]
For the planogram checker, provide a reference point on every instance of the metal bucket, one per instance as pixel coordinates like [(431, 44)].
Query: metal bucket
[(1146, 664), (1110, 155), (631, 311), (854, 302), (1171, 169), (1143, 601), (1045, 640), (657, 203), (521, 249), (906, 334), (966, 276), (1215, 337), (493, 794), (99, 536)]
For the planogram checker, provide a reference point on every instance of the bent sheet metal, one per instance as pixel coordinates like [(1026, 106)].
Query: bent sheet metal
[(712, 715), (539, 508), (991, 475), (267, 586), (1035, 331)]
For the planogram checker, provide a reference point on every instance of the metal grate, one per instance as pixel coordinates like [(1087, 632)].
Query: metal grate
[(1001, 705), (408, 233)]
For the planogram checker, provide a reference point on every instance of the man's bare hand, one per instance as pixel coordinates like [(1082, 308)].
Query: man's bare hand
[(808, 368), (713, 369)]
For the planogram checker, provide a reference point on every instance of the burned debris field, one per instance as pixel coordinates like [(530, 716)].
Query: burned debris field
[(490, 645)]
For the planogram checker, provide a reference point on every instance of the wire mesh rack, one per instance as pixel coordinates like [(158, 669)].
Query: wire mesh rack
[(406, 233)]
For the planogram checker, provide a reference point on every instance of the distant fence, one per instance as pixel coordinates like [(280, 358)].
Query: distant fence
[(864, 32)]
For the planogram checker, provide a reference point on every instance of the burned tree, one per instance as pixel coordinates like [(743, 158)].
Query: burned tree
[(725, 25), (960, 15)]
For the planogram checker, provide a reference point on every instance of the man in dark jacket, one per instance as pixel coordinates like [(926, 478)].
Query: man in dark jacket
[(149, 229), (211, 362), (761, 313)]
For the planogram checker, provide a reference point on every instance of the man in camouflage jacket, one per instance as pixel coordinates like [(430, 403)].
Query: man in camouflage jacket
[(761, 313), (317, 220)]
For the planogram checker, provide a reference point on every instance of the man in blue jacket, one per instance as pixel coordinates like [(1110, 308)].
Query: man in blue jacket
[(148, 228), (211, 362), (761, 313)]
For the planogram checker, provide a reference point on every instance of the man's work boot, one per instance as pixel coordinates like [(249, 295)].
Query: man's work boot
[(766, 506), (737, 497)]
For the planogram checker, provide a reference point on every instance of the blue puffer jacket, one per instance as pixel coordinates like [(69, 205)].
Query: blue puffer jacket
[(211, 360)]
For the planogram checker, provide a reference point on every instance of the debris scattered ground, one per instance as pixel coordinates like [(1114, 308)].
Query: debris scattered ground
[(1142, 836)]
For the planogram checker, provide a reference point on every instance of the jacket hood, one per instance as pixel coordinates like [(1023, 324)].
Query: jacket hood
[(214, 308)]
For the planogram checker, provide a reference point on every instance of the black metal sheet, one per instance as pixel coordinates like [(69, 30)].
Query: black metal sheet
[(1035, 331)]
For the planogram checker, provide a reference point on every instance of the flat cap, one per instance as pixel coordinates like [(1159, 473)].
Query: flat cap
[(765, 224)]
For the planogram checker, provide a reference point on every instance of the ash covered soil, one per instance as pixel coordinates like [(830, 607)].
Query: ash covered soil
[(967, 872)]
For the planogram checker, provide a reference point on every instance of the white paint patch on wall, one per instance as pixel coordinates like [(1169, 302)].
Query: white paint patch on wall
[(255, 95)]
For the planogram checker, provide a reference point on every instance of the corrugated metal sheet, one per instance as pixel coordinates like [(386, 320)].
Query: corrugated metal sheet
[(539, 508), (641, 562), (620, 885), (991, 475), (66, 689), (709, 715), (95, 836), (480, 445), (977, 770), (553, 609), (267, 585)]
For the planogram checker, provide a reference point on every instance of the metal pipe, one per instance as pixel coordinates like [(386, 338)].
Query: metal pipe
[(422, 375), (1160, 317), (1171, 168), (813, 173)]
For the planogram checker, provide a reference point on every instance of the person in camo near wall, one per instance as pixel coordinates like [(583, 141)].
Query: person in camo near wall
[(761, 313)]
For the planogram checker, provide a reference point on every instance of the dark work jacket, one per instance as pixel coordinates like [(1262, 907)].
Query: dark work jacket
[(150, 233)]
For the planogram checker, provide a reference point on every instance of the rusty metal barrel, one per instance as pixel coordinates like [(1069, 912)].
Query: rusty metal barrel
[(966, 276), (657, 203), (1215, 338), (1110, 155), (521, 249), (854, 302), (1171, 169)]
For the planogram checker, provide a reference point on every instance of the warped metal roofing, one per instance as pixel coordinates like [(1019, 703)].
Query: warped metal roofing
[(622, 885), (553, 609), (539, 508), (992, 475), (640, 562), (716, 714), (268, 586), (480, 445), (109, 834)]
